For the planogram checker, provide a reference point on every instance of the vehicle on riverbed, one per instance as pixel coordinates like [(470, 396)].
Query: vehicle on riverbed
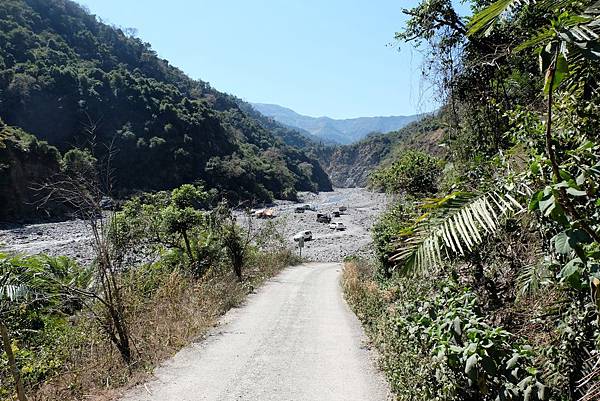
[(323, 218), (306, 235), (299, 209), (342, 208), (264, 214), (338, 226)]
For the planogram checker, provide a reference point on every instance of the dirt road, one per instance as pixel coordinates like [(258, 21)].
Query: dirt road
[(294, 340)]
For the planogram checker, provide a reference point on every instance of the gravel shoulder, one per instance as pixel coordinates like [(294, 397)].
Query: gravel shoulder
[(295, 339)]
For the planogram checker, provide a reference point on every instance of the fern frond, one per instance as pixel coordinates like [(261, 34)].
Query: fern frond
[(463, 221)]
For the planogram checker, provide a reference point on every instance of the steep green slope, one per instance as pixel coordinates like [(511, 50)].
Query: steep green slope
[(73, 81)]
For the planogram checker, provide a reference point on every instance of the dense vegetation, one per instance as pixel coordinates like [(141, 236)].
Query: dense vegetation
[(23, 160), (486, 284), (71, 80)]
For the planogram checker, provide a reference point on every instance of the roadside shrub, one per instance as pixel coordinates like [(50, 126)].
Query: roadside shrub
[(435, 344), (415, 173), (36, 316), (395, 223)]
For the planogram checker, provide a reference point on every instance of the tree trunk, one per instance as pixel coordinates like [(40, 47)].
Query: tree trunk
[(238, 263), (118, 333), (12, 363), (188, 248)]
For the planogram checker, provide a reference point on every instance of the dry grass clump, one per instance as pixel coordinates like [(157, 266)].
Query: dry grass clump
[(166, 310)]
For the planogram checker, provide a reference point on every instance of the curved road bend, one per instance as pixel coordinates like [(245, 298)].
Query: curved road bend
[(295, 340)]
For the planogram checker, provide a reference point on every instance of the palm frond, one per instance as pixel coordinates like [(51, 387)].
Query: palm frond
[(483, 22), (583, 33), (14, 292), (461, 222), (540, 38), (532, 277)]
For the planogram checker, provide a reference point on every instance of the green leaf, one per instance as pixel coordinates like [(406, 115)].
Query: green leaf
[(537, 40), (556, 77), (561, 243), (547, 204), (512, 362), (486, 18), (565, 175), (456, 326), (576, 192), (535, 200), (571, 272), (471, 364)]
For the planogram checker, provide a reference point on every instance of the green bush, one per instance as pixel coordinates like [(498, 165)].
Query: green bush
[(395, 223), (38, 319), (436, 345), (415, 173)]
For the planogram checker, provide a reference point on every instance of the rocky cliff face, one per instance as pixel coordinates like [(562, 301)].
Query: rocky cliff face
[(349, 166), (25, 163)]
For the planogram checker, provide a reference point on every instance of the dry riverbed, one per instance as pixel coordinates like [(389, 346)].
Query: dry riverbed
[(329, 245), (72, 238)]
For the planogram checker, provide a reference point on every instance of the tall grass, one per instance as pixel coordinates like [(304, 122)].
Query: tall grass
[(167, 309)]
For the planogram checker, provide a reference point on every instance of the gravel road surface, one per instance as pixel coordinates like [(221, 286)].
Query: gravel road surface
[(294, 340)]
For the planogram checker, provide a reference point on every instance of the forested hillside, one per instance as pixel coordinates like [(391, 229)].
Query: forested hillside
[(487, 283), (72, 81)]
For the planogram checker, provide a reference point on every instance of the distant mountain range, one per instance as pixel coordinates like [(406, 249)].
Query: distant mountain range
[(327, 129)]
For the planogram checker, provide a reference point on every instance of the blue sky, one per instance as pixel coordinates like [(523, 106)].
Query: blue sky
[(319, 57)]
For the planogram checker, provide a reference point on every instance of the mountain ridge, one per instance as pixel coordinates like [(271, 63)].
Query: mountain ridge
[(340, 131)]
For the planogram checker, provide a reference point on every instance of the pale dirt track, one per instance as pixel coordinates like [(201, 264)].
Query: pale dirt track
[(294, 340)]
